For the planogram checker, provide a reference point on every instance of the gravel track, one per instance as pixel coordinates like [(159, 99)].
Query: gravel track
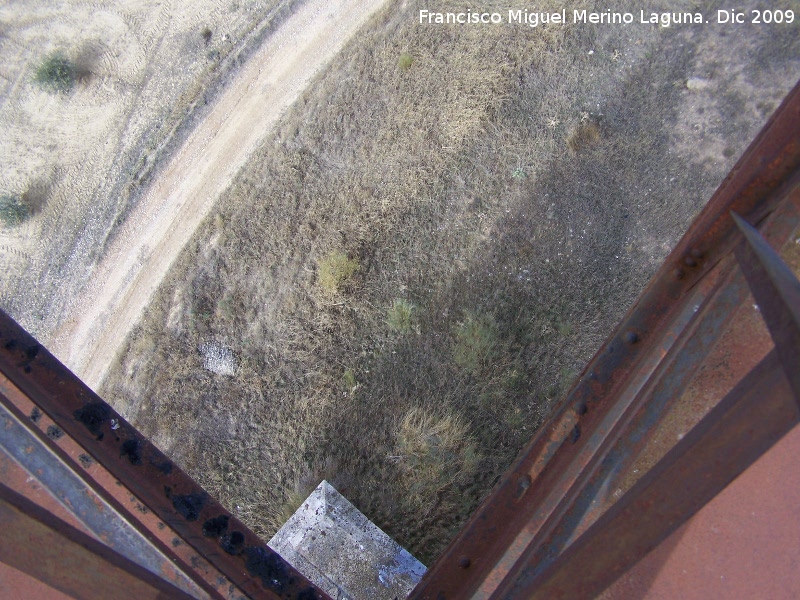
[(178, 199)]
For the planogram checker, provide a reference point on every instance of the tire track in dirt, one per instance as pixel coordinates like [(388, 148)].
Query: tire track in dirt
[(177, 201)]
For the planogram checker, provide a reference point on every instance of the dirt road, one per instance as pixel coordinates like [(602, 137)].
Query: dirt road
[(125, 280)]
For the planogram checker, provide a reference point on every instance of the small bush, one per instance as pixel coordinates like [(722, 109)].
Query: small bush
[(335, 270), (206, 34), (433, 452), (400, 316), (13, 210), (476, 339), (405, 61), (586, 134), (56, 74), (349, 380)]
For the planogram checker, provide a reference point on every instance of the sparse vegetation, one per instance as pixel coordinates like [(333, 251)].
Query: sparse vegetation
[(405, 61), (56, 73), (400, 316), (409, 179), (277, 517), (13, 210), (335, 270)]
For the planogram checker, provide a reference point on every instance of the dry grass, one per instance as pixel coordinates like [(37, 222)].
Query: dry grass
[(335, 271), (415, 174), (434, 453), (584, 135)]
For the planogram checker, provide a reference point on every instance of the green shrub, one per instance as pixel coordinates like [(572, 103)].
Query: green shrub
[(475, 345), (335, 270), (56, 73), (349, 380), (13, 210), (400, 316), (405, 61)]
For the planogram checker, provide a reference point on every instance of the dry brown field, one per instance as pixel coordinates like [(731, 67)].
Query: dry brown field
[(411, 270)]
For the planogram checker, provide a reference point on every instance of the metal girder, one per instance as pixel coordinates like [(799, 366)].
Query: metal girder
[(760, 410), (755, 415), (160, 485), (37, 543), (777, 292)]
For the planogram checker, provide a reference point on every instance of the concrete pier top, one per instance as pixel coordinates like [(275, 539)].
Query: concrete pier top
[(335, 546)]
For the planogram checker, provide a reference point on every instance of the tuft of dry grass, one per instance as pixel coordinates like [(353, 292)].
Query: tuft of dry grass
[(433, 452), (584, 135), (476, 340), (335, 270)]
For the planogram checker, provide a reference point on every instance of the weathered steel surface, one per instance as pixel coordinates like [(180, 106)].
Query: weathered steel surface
[(166, 490), (755, 415), (184, 560), (777, 292), (37, 543), (492, 542), (93, 515)]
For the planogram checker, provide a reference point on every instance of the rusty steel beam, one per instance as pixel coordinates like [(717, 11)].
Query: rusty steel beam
[(500, 531), (43, 546), (154, 479), (630, 434), (744, 425), (181, 560), (777, 292), (730, 438), (20, 448)]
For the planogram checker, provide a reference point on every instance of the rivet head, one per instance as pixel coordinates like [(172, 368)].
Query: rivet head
[(690, 261), (464, 562), (631, 337), (678, 273), (523, 484), (696, 253)]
